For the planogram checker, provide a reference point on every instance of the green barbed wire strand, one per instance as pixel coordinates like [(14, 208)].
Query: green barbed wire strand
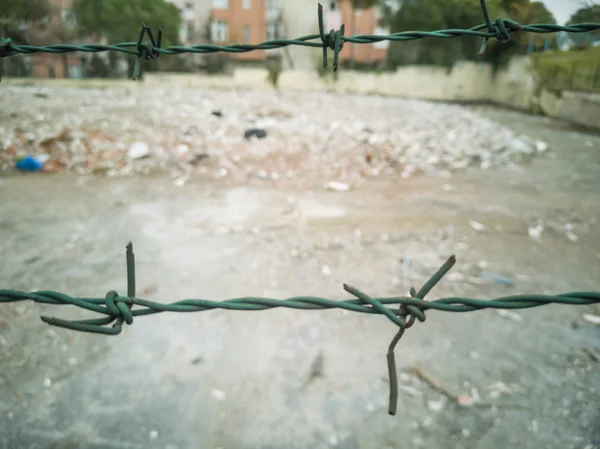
[(119, 308), (131, 47)]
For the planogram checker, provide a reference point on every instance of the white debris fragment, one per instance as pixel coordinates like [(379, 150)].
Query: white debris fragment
[(337, 186), (594, 319), (509, 315), (535, 232), (153, 435), (47, 382), (138, 150), (476, 225), (219, 395), (325, 270), (571, 236)]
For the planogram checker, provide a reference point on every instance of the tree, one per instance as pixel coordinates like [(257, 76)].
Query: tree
[(432, 15), (121, 20), (16, 15), (354, 5), (587, 14)]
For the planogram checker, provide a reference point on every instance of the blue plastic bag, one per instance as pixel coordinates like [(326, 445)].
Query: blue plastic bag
[(29, 163)]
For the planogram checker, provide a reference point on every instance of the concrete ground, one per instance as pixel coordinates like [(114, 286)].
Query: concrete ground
[(223, 379)]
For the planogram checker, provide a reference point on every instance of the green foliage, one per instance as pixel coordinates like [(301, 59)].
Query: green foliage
[(121, 20), (590, 13), (568, 70), (12, 12), (430, 15)]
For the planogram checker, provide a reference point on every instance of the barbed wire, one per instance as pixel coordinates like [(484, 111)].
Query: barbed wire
[(500, 29), (119, 309)]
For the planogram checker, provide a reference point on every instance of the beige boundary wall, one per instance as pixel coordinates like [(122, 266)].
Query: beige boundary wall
[(513, 86)]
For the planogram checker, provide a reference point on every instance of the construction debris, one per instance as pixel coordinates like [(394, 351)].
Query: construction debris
[(101, 132)]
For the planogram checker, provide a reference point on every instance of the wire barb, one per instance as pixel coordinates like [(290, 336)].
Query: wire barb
[(334, 40), (146, 51)]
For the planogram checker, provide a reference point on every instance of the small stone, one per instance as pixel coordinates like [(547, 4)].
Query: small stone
[(325, 270), (535, 232), (427, 422), (541, 146), (572, 236), (464, 400), (465, 433), (337, 186), (476, 225), (218, 394), (509, 315), (435, 406), (47, 382), (455, 277), (153, 435)]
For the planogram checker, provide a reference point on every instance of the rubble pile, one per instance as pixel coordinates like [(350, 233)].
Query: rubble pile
[(264, 134)]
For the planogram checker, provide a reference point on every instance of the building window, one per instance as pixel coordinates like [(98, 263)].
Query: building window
[(190, 31), (246, 34), (246, 4), (273, 31), (218, 31), (220, 4), (272, 6)]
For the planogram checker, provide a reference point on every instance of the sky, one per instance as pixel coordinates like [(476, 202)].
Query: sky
[(562, 9)]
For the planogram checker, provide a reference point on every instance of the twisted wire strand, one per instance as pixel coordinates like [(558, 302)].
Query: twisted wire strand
[(119, 309), (305, 41)]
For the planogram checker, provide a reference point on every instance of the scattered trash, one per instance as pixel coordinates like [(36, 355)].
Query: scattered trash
[(337, 186), (255, 132), (594, 319), (535, 232), (496, 279), (510, 315), (138, 150), (477, 226), (31, 163)]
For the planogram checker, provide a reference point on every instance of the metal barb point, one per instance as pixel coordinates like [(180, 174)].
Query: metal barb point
[(415, 312), (334, 40), (147, 51)]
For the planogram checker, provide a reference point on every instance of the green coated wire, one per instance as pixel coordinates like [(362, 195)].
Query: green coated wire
[(119, 309), (500, 29)]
